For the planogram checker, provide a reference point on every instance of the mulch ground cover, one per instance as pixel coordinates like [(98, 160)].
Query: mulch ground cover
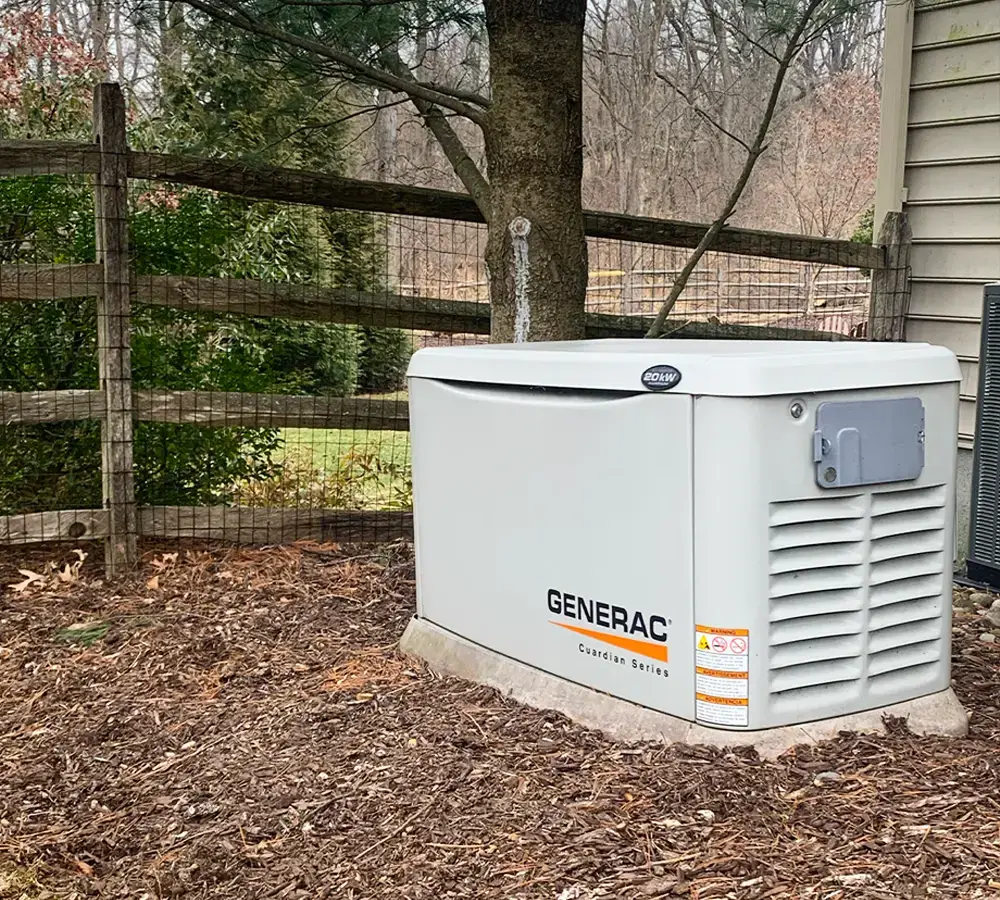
[(240, 724)]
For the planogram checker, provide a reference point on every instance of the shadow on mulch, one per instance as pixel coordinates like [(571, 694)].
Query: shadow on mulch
[(239, 724)]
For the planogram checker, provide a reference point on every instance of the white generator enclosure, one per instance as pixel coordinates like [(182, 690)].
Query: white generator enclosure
[(740, 534)]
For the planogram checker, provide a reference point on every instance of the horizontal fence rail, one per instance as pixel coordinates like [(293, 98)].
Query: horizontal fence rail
[(315, 189), (335, 192), (27, 283), (219, 409), (344, 305), (49, 158), (236, 524)]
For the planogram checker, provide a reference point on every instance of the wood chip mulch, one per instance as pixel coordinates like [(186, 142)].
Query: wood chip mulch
[(239, 724)]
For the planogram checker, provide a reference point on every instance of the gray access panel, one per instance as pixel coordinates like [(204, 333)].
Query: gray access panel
[(868, 442)]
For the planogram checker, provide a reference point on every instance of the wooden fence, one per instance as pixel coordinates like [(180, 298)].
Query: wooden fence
[(120, 522)]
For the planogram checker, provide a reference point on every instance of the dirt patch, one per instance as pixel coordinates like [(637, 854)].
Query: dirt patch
[(239, 724)]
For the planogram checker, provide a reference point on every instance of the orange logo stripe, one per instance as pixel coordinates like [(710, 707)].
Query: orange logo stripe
[(643, 648)]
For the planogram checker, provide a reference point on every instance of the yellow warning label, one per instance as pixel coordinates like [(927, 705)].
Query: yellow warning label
[(722, 701), (733, 632), (722, 676), (718, 673)]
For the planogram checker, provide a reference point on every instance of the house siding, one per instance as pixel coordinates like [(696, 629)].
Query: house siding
[(951, 178), (939, 160)]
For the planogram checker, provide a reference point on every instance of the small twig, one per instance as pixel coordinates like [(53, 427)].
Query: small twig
[(676, 328), (474, 722), (649, 865), (396, 831), (715, 123)]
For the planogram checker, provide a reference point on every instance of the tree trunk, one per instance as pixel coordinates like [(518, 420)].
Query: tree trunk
[(100, 28), (172, 26), (536, 253)]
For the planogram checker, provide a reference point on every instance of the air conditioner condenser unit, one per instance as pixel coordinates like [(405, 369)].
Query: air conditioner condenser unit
[(743, 535), (983, 563)]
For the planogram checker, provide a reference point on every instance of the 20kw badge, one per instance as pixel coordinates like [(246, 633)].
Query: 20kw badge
[(660, 378)]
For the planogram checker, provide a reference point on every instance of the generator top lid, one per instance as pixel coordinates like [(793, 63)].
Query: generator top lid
[(719, 368)]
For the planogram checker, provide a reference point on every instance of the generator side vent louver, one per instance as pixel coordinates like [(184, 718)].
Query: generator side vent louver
[(817, 570), (905, 625), (984, 530), (855, 594)]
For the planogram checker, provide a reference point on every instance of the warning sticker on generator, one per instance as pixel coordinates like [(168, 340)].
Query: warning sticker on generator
[(722, 676)]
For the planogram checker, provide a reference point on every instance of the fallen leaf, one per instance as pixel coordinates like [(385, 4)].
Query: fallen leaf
[(854, 878), (163, 561), (29, 579), (83, 867), (154, 583)]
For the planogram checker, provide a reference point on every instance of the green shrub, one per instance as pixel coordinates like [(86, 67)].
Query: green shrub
[(188, 465), (52, 345), (864, 233), (383, 358), (52, 466), (216, 106)]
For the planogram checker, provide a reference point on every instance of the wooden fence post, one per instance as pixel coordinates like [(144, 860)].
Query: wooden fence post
[(114, 347), (890, 300)]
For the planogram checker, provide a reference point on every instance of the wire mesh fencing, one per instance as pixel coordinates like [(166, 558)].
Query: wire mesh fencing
[(194, 355)]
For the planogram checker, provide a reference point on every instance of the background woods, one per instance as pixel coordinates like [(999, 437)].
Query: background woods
[(663, 83)]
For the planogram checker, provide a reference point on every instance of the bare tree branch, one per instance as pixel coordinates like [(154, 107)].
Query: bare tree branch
[(333, 123), (466, 96), (697, 109), (451, 144), (792, 48)]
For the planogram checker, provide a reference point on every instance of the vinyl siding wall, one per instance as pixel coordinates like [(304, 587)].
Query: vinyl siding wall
[(951, 176)]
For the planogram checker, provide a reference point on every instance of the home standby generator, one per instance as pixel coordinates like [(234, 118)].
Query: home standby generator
[(741, 534)]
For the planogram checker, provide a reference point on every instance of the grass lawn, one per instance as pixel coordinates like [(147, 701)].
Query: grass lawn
[(326, 449), (329, 445)]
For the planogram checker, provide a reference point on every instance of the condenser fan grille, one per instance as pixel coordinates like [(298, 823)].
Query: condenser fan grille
[(984, 538)]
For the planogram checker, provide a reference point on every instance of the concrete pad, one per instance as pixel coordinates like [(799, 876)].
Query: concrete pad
[(621, 720)]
